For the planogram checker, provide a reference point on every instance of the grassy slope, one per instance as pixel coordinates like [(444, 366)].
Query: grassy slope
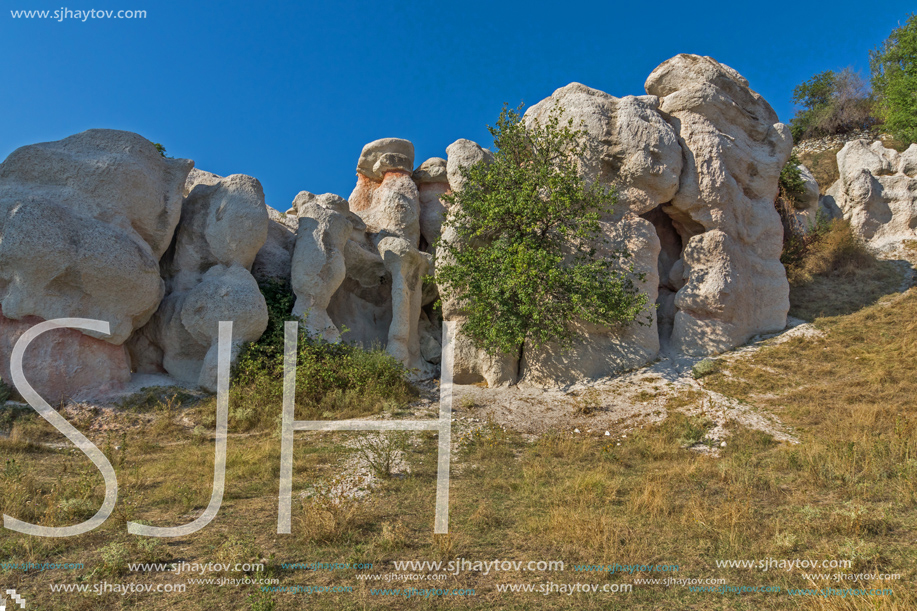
[(848, 491)]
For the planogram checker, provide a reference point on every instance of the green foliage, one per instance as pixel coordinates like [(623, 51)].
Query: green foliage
[(692, 431), (524, 262), (792, 186), (160, 148), (894, 80), (705, 368), (383, 451), (798, 245), (262, 601), (832, 103), (332, 380)]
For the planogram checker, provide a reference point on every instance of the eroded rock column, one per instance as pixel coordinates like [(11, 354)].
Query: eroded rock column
[(734, 148)]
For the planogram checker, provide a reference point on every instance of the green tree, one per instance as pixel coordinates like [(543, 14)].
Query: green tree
[(519, 251), (894, 80), (831, 103)]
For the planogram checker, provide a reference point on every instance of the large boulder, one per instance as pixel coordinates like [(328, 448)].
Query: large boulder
[(64, 363), (83, 224), (57, 263), (877, 192), (735, 285), (224, 294), (630, 148), (221, 224), (385, 196), (224, 225), (462, 154), (112, 176)]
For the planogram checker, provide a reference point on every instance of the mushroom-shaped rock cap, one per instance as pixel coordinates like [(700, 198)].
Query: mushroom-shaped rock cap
[(385, 155), (432, 170)]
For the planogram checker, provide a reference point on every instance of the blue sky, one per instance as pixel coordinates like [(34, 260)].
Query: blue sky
[(290, 92)]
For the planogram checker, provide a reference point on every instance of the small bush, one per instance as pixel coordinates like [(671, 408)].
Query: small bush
[(383, 451), (705, 367), (262, 601), (114, 558), (693, 431), (332, 380), (792, 186), (799, 243)]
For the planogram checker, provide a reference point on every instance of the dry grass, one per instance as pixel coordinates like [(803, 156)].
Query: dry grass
[(836, 275), (848, 491), (823, 166)]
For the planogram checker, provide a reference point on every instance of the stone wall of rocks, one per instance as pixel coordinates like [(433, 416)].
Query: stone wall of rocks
[(100, 226), (820, 145)]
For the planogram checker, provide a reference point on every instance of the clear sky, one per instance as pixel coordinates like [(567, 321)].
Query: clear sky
[(290, 92)]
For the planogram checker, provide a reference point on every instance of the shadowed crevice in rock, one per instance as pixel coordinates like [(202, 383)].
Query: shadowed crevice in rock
[(671, 271)]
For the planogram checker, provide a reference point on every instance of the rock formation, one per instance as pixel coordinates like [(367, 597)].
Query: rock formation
[(224, 225), (695, 165), (100, 225), (358, 265), (734, 149), (83, 223), (318, 267), (876, 192)]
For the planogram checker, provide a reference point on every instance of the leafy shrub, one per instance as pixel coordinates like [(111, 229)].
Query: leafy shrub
[(832, 103), (798, 244), (705, 367), (894, 80), (526, 229), (792, 185), (332, 380), (693, 430), (791, 189), (262, 601)]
